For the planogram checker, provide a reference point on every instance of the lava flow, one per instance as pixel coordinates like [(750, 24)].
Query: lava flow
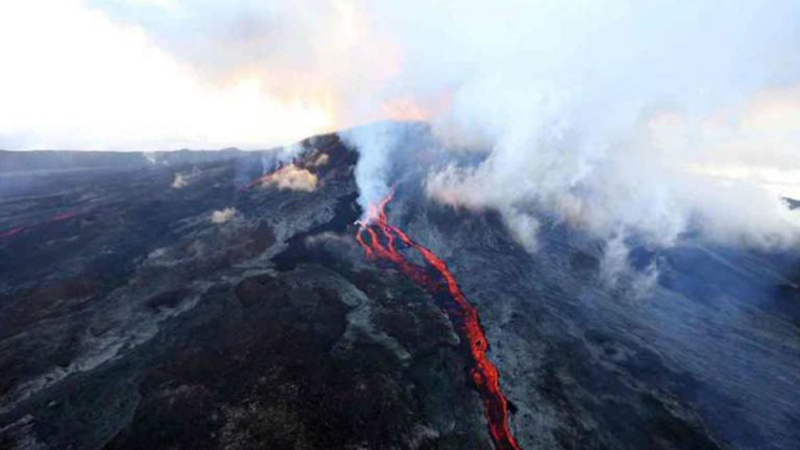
[(57, 218), (379, 239)]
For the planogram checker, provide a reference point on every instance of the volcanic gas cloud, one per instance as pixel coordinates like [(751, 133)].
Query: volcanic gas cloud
[(289, 177)]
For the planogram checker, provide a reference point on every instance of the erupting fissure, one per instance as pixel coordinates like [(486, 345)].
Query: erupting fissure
[(379, 239)]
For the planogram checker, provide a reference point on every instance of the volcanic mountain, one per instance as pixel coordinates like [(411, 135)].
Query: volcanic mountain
[(245, 300)]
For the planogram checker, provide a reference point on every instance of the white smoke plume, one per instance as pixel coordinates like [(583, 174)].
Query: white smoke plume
[(375, 143), (292, 178), (656, 120)]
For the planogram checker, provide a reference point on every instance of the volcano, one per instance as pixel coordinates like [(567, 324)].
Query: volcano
[(245, 300)]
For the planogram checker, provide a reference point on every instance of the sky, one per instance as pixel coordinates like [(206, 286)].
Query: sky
[(163, 74), (620, 116)]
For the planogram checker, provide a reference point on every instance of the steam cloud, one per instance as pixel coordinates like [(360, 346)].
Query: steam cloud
[(376, 143), (648, 120), (651, 122), (293, 178)]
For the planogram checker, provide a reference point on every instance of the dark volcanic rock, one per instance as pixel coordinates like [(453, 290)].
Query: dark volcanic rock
[(136, 320)]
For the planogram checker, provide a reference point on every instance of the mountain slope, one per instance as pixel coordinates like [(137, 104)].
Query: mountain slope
[(186, 305)]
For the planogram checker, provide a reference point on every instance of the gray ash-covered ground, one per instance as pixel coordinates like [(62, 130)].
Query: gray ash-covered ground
[(133, 316)]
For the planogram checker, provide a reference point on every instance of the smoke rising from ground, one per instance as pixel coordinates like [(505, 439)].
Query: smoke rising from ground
[(656, 121), (376, 143)]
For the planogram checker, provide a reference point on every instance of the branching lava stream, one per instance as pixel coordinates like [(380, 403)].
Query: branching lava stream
[(380, 239)]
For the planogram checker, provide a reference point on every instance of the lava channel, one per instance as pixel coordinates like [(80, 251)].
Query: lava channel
[(380, 240)]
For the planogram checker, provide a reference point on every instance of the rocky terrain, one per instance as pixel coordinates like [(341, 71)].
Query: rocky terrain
[(177, 303)]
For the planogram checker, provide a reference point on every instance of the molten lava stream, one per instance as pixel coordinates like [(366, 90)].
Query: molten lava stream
[(381, 246)]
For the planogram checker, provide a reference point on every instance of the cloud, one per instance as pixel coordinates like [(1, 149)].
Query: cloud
[(611, 133), (655, 187), (82, 80)]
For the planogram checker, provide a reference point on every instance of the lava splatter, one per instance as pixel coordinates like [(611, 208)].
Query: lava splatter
[(379, 239)]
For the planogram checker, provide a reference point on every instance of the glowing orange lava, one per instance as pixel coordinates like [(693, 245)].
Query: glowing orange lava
[(381, 245)]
